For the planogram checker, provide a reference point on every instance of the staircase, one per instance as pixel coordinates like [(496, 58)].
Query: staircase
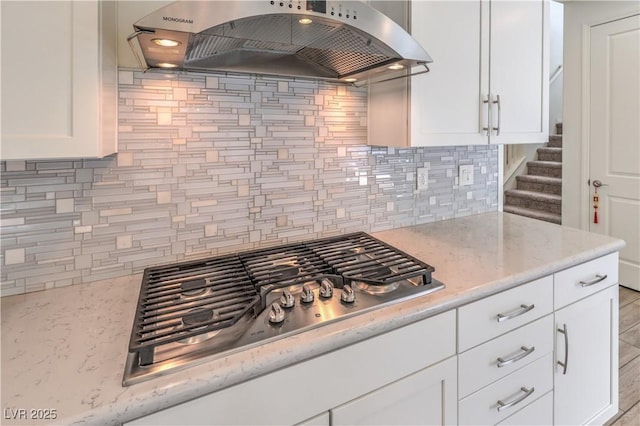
[(538, 194)]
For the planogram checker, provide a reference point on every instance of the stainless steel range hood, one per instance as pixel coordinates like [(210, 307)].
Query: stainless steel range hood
[(343, 41)]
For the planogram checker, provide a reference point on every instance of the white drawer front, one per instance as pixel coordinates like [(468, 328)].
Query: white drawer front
[(480, 366), (502, 312), (481, 408), (539, 412), (585, 279)]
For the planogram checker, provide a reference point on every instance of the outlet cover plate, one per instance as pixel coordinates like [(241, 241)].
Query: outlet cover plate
[(422, 178), (466, 175)]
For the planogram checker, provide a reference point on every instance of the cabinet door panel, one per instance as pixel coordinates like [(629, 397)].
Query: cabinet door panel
[(57, 113), (427, 397), (588, 392), (446, 103), (520, 70)]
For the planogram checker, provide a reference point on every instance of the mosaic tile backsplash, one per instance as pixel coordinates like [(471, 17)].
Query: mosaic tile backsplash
[(211, 164)]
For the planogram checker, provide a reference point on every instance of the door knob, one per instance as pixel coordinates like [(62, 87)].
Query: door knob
[(598, 184)]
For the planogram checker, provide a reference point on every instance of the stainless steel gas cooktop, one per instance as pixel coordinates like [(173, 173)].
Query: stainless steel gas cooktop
[(193, 312)]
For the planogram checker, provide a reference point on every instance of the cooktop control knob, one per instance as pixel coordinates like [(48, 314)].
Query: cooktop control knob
[(287, 300), (347, 295), (326, 289), (307, 295), (276, 314)]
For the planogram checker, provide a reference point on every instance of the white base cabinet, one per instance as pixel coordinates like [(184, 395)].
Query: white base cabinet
[(59, 79)]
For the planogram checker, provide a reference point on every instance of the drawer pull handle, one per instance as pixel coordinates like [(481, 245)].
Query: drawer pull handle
[(525, 352), (599, 278), (564, 364), (505, 405), (523, 309)]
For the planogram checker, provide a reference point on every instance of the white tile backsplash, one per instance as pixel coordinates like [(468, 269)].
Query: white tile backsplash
[(209, 165)]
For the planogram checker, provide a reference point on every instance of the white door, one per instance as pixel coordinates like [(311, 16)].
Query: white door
[(614, 138)]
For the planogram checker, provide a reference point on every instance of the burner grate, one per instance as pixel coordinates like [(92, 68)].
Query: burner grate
[(360, 257), (284, 265), (185, 300)]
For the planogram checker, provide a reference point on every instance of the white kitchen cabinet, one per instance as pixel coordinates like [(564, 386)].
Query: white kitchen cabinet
[(488, 81), (400, 360), (59, 74), (427, 397), (586, 368)]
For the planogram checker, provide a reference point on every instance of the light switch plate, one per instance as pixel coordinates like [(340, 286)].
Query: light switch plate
[(466, 175)]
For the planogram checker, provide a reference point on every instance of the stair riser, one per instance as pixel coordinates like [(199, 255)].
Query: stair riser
[(550, 156), (545, 171), (554, 142), (533, 204), (540, 187)]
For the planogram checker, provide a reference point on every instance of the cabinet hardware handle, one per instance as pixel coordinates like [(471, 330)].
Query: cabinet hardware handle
[(599, 278), (505, 405), (523, 309), (564, 364), (486, 101), (497, 128), (525, 352)]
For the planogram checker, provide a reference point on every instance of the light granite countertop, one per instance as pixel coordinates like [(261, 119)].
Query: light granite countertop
[(64, 349)]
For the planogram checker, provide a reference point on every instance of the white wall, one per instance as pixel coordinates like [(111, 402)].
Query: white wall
[(579, 16)]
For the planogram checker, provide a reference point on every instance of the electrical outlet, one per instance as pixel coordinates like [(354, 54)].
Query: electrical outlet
[(422, 178), (466, 175)]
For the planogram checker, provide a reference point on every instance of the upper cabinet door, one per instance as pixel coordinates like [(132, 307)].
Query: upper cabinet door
[(488, 81), (447, 103), (58, 79), (519, 71)]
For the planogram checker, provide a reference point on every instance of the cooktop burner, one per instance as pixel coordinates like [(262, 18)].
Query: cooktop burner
[(191, 312)]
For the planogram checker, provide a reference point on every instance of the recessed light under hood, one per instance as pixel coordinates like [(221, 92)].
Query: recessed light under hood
[(348, 42)]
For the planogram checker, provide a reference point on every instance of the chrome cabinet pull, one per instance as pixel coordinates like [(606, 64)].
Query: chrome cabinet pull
[(522, 310), (599, 278), (525, 352), (564, 364), (497, 128), (486, 101), (505, 405)]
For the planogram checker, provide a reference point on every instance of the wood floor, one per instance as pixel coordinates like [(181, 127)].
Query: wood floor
[(629, 404)]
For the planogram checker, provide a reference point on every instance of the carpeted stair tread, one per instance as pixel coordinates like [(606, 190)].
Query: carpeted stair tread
[(534, 195), (550, 164), (535, 214), (550, 149), (540, 179)]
